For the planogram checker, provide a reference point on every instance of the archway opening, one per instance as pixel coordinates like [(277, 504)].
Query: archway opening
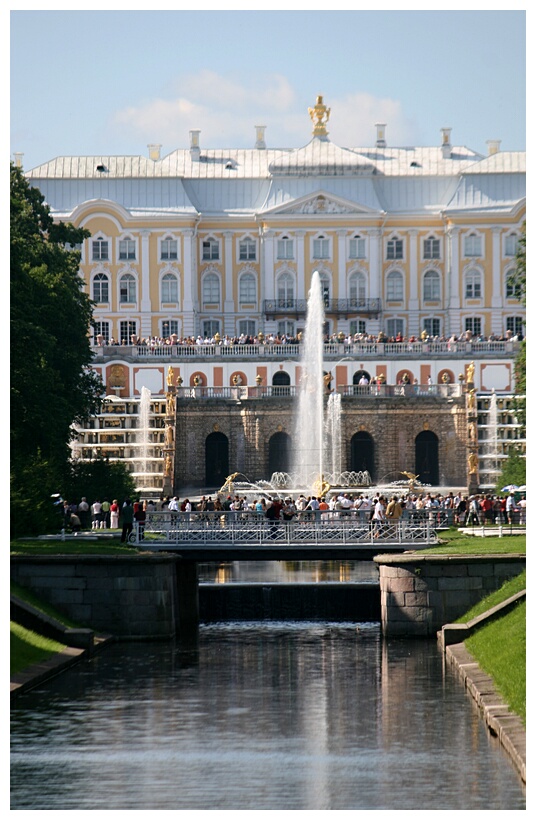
[(427, 457), (216, 459), (279, 453), (281, 383), (362, 453)]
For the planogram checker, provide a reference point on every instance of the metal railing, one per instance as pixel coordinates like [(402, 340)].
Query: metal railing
[(162, 530), (352, 307)]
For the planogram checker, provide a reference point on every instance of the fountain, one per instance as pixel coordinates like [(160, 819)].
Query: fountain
[(491, 469), (147, 480)]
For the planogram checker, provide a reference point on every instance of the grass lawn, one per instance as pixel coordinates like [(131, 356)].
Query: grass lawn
[(59, 547), (454, 542), (28, 596), (28, 647)]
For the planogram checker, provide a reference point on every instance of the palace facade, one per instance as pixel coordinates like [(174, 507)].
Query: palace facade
[(202, 260)]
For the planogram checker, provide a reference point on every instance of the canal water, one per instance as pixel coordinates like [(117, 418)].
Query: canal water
[(259, 716)]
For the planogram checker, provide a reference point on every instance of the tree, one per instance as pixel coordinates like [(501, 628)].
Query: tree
[(97, 480), (52, 384), (514, 470)]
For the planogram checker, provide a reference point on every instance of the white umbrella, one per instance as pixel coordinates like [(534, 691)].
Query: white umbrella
[(510, 488)]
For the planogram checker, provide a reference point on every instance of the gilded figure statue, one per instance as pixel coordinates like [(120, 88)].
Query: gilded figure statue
[(471, 373), (473, 463), (170, 376)]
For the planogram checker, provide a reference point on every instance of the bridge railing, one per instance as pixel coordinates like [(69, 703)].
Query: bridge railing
[(162, 530)]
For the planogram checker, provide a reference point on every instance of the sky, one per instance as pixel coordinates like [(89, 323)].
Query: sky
[(111, 82)]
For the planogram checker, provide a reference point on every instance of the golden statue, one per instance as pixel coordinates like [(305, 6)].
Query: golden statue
[(170, 404), (412, 478), (168, 465), (471, 399), (471, 373), (320, 116), (321, 487), (328, 378), (472, 431), (170, 376), (472, 461), (169, 435)]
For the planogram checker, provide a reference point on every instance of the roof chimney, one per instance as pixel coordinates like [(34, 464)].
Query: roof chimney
[(259, 142), (446, 147), (380, 135), (154, 151), (195, 151), (18, 159), (494, 146)]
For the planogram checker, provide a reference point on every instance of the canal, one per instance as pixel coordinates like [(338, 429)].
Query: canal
[(269, 715)]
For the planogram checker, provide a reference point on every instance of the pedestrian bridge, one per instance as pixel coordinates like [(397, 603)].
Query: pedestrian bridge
[(232, 536)]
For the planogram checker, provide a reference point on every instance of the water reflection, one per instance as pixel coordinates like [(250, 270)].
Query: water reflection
[(270, 715), (288, 572)]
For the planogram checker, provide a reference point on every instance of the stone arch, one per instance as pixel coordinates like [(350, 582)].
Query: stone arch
[(281, 383), (362, 453), (359, 374), (279, 453), (427, 457), (238, 379), (216, 459)]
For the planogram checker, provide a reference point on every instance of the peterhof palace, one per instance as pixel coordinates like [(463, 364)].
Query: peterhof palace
[(199, 265)]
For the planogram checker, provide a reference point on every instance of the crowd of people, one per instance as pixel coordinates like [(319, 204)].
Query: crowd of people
[(283, 339)]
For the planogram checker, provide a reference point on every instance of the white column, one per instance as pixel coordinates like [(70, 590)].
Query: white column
[(452, 239), (497, 292), (413, 300), (300, 264), (189, 289), (269, 283), (375, 274), (341, 285), (145, 302), (229, 305)]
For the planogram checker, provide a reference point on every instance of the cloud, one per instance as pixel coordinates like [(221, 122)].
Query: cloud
[(227, 109)]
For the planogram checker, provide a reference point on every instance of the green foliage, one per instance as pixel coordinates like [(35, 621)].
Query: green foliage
[(514, 470), (518, 279), (96, 480), (52, 384)]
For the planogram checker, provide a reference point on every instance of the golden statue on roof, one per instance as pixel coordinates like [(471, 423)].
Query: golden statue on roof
[(320, 116)]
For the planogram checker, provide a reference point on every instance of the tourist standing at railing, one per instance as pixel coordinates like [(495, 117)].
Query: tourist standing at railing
[(378, 516), (127, 516), (393, 511), (114, 515), (510, 508), (474, 510)]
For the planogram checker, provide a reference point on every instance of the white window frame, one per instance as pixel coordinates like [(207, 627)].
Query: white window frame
[(210, 249), (127, 282), (473, 245), (102, 278), (470, 322), (172, 323), (247, 249), (132, 330), (248, 327), (357, 281), (321, 247), (208, 284), (392, 276), (170, 282), (509, 239), (210, 328), (101, 328), (428, 325), (397, 325), (126, 249), (515, 320), (357, 247), (169, 248), (285, 248), (509, 291), (286, 327), (287, 279), (431, 247), (394, 249), (247, 282), (473, 284), (101, 242), (431, 286)]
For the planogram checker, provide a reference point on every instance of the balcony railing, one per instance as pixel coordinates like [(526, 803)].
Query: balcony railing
[(333, 307), (364, 391), (333, 350)]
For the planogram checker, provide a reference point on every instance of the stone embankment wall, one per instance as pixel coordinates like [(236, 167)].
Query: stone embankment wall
[(421, 593), (132, 597)]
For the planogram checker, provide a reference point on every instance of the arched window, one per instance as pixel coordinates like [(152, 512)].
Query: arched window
[(285, 290), (279, 453), (321, 247), (168, 248), (513, 290), (431, 286), (395, 287), (170, 289), (100, 288), (362, 453), (247, 250), (357, 288), (325, 285), (127, 248), (427, 457), (211, 289), (281, 383), (216, 459), (473, 284), (248, 289), (127, 289)]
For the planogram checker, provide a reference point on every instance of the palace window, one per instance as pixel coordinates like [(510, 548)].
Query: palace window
[(472, 245), (474, 325), (515, 324), (358, 288), (99, 249), (168, 248), (431, 286), (394, 327), (248, 289), (101, 329), (513, 289), (285, 248), (321, 248), (356, 248), (358, 326), (211, 249), (432, 248), (246, 327), (395, 248), (127, 248), (126, 331), (286, 328), (100, 288), (473, 284), (127, 289), (170, 327), (210, 328), (285, 290), (211, 289), (432, 326), (170, 288), (511, 244), (395, 287), (247, 250)]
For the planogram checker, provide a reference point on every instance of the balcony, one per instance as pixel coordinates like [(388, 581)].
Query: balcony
[(368, 391), (332, 307)]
